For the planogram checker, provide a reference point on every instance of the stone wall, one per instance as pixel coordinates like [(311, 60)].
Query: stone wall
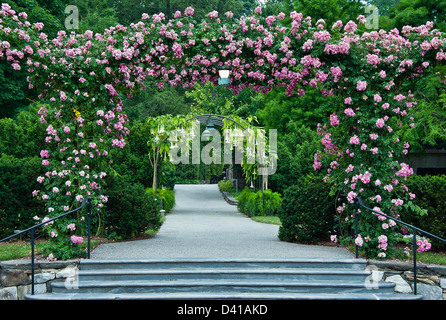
[(431, 279), (15, 276)]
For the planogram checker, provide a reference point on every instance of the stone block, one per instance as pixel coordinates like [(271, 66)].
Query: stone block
[(400, 284), (57, 264), (68, 272), (443, 283), (425, 278), (9, 293), (40, 288), (429, 292), (10, 278), (44, 277), (22, 291), (439, 270), (23, 265)]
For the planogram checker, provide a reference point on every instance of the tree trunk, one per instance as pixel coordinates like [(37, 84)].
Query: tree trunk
[(155, 170)]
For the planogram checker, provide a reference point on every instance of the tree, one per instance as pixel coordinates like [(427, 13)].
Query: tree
[(295, 148), (417, 12), (96, 15), (330, 10), (211, 99), (160, 140), (383, 5), (279, 110), (153, 102), (429, 130), (130, 11)]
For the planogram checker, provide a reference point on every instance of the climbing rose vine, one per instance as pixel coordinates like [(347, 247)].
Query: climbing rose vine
[(80, 75)]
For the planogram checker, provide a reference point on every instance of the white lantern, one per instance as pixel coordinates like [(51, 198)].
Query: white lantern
[(223, 75)]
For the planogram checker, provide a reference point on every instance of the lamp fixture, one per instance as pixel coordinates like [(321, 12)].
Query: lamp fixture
[(223, 76), (209, 127)]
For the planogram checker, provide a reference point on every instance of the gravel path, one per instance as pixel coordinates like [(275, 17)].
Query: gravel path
[(203, 225)]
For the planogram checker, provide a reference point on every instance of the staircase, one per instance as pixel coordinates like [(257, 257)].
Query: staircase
[(222, 279)]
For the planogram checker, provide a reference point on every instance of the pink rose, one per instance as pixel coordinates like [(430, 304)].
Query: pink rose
[(349, 112), (189, 11), (380, 123), (76, 239), (354, 140), (361, 85)]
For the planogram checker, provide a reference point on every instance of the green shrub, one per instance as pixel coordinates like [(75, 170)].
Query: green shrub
[(225, 185), (251, 203), (254, 205), (430, 194), (167, 196), (132, 210), (23, 136), (307, 212), (167, 175), (242, 199), (17, 204)]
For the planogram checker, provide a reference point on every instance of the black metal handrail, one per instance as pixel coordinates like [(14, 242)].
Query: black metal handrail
[(86, 201), (358, 202)]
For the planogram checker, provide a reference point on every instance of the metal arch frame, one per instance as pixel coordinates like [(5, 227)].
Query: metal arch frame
[(216, 119)]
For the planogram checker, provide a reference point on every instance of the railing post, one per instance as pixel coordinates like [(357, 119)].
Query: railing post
[(356, 226), (32, 261), (89, 224), (414, 249)]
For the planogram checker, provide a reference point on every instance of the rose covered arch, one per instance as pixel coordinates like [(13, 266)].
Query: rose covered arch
[(79, 76)]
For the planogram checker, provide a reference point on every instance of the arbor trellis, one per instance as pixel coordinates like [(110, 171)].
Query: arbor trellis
[(173, 134), (79, 77)]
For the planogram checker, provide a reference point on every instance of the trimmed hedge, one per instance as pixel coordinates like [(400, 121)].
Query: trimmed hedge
[(251, 204), (430, 194), (307, 212), (225, 185)]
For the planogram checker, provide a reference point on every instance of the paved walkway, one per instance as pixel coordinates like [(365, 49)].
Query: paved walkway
[(203, 225)]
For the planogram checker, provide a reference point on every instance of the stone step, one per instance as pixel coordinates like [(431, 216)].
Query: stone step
[(335, 274), (222, 279), (118, 264), (224, 296), (231, 285)]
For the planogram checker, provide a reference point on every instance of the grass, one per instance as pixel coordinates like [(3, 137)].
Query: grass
[(267, 219), (427, 257), (21, 249), (430, 257), (17, 250)]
